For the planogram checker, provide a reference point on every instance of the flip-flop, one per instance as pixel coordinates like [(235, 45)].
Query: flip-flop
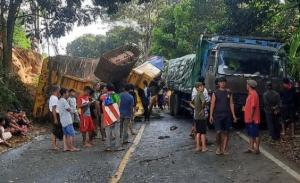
[(67, 150), (204, 150), (248, 151), (75, 150), (219, 153)]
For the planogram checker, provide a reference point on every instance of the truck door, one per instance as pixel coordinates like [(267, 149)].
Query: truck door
[(211, 70)]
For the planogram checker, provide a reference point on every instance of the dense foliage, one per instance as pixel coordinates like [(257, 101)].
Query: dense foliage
[(93, 46), (180, 25), (14, 94), (20, 40)]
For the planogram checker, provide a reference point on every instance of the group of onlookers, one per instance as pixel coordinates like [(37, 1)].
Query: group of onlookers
[(14, 122), (281, 108), (280, 112), (153, 94), (98, 107)]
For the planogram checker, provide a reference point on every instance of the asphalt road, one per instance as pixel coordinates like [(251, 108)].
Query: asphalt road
[(161, 155)]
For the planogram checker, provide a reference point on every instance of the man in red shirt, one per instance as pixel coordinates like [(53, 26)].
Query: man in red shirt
[(252, 117)]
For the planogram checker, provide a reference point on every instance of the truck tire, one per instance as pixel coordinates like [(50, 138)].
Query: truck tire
[(176, 105), (171, 104)]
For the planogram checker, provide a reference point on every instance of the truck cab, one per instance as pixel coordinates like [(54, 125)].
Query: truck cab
[(236, 58)]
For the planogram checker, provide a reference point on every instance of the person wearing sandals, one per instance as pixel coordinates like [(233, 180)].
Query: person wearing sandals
[(198, 104), (252, 117), (66, 121)]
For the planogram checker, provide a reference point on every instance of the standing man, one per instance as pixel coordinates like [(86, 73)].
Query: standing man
[(54, 117), (288, 106), (221, 114), (252, 117), (126, 112), (272, 104), (133, 94), (144, 95), (111, 118)]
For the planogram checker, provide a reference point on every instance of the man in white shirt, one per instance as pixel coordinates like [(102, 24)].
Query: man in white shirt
[(54, 116)]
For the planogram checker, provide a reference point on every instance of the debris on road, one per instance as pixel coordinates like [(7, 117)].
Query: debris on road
[(172, 128), (163, 137)]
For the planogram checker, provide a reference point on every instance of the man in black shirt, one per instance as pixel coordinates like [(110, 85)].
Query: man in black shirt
[(288, 105), (221, 114), (272, 104)]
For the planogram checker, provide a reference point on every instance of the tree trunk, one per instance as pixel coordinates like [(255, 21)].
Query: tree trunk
[(3, 30), (10, 24)]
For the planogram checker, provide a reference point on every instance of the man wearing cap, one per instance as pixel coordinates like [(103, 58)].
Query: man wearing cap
[(221, 114), (252, 117), (272, 104)]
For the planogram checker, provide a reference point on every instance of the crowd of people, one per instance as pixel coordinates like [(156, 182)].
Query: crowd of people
[(14, 122), (100, 108), (280, 110)]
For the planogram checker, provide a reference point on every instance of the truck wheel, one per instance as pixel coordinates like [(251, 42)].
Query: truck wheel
[(176, 105), (171, 105)]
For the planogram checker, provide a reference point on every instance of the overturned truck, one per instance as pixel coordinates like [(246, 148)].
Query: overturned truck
[(76, 73)]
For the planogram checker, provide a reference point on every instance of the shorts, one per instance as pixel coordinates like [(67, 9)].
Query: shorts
[(223, 122), (200, 126), (86, 124), (252, 130), (57, 128), (69, 130)]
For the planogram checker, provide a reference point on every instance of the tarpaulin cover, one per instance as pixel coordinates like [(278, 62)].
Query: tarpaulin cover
[(180, 73), (157, 61)]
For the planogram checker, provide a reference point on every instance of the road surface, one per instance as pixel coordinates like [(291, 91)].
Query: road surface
[(160, 155)]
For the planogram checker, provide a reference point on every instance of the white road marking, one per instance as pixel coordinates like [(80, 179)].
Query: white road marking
[(118, 174), (285, 167)]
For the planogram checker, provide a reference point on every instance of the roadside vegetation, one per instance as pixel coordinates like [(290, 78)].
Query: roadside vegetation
[(169, 28)]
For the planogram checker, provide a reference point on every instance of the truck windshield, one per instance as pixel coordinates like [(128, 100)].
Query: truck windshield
[(236, 61)]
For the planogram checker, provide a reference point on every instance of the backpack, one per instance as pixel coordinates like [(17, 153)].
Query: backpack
[(111, 99), (108, 100)]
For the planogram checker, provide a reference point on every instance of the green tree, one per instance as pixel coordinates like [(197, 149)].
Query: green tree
[(58, 17), (180, 26), (93, 46), (20, 40)]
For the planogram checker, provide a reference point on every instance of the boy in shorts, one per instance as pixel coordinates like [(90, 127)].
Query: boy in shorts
[(87, 126), (66, 121), (198, 104)]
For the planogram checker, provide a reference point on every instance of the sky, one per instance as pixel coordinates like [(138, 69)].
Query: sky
[(98, 27)]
